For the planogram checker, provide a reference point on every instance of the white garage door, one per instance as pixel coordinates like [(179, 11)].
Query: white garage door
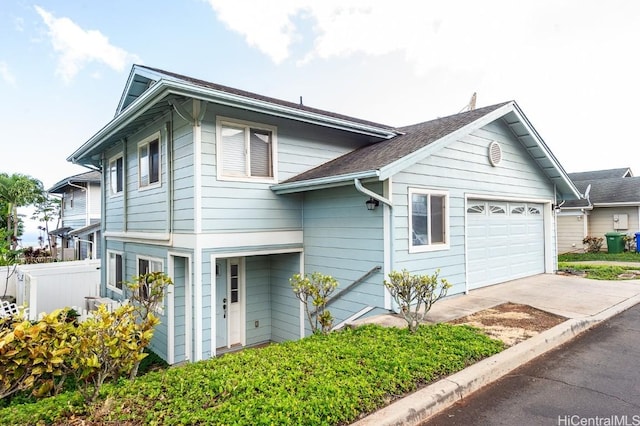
[(505, 241)]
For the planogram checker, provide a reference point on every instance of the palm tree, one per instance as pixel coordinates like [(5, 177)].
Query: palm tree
[(47, 210), (18, 190)]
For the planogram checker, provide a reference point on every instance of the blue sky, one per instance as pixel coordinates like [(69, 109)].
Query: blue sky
[(572, 66)]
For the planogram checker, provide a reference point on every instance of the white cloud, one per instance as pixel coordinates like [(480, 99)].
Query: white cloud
[(459, 35), (19, 24), (78, 47), (6, 74), (341, 28)]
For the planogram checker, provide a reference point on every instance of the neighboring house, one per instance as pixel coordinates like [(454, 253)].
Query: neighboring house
[(231, 193), (79, 234), (611, 204)]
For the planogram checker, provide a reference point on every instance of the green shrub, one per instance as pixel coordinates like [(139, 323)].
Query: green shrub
[(318, 288), (40, 356), (415, 294), (323, 379), (33, 354)]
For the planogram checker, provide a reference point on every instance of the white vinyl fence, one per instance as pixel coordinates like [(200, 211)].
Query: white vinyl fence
[(46, 287)]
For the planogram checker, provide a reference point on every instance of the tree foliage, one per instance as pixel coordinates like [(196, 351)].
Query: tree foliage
[(18, 190)]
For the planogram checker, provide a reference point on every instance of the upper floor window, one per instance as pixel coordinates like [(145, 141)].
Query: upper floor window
[(116, 176), (149, 161), (428, 220), (114, 271), (246, 150)]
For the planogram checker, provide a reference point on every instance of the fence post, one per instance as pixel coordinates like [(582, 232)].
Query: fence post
[(33, 298)]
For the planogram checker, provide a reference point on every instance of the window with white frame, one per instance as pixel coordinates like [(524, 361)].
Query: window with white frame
[(246, 150), (114, 271), (428, 220), (149, 161), (146, 265), (116, 175)]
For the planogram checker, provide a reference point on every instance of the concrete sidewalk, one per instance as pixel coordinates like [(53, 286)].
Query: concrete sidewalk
[(583, 301)]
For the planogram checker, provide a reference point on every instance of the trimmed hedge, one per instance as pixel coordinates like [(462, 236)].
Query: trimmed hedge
[(320, 380)]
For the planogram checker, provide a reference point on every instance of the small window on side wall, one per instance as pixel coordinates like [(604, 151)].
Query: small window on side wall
[(114, 271), (149, 161), (116, 176), (428, 220)]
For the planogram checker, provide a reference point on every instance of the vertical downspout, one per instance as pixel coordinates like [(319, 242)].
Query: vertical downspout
[(554, 217), (391, 245), (125, 185), (388, 204), (103, 225), (168, 129)]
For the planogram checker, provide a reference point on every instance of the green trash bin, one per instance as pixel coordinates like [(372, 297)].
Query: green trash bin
[(615, 242)]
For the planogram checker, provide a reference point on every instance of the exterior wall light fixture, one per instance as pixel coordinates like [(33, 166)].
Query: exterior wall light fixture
[(372, 203)]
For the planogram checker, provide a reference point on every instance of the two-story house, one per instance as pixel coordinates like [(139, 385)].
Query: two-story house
[(81, 201), (231, 193)]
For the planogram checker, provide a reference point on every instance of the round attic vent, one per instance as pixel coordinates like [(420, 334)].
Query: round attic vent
[(495, 153)]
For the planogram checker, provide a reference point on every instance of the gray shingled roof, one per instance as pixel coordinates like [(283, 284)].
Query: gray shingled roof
[(608, 191), (251, 95), (92, 176), (380, 154), (599, 174)]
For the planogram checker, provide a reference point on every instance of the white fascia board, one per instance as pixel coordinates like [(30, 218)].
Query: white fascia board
[(144, 72), (257, 105), (322, 183), (166, 86), (547, 152), (137, 108), (623, 204), (408, 160)]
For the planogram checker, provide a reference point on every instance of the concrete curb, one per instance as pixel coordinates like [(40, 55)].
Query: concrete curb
[(419, 406)]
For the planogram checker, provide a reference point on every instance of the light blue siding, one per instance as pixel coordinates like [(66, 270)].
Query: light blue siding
[(208, 279), (179, 303), (461, 168), (258, 299), (251, 206), (285, 307), (183, 175), (345, 240)]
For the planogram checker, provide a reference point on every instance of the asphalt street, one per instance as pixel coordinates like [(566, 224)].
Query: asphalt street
[(591, 380)]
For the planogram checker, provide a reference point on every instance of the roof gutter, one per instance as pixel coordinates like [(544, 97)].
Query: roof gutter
[(165, 87), (258, 105), (322, 183), (370, 193)]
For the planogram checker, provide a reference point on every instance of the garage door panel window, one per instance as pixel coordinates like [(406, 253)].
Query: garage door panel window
[(534, 211), (476, 209), (428, 220), (497, 209)]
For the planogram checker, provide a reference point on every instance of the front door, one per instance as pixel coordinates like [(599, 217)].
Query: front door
[(234, 301), (221, 303)]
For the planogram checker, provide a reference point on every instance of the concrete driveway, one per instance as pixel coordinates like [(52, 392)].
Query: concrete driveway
[(584, 302), (569, 296)]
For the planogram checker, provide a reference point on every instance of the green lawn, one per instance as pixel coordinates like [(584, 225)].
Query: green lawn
[(595, 271), (614, 257), (319, 380)]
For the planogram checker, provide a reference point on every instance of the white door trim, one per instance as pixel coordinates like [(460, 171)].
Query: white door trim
[(171, 332), (241, 308)]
